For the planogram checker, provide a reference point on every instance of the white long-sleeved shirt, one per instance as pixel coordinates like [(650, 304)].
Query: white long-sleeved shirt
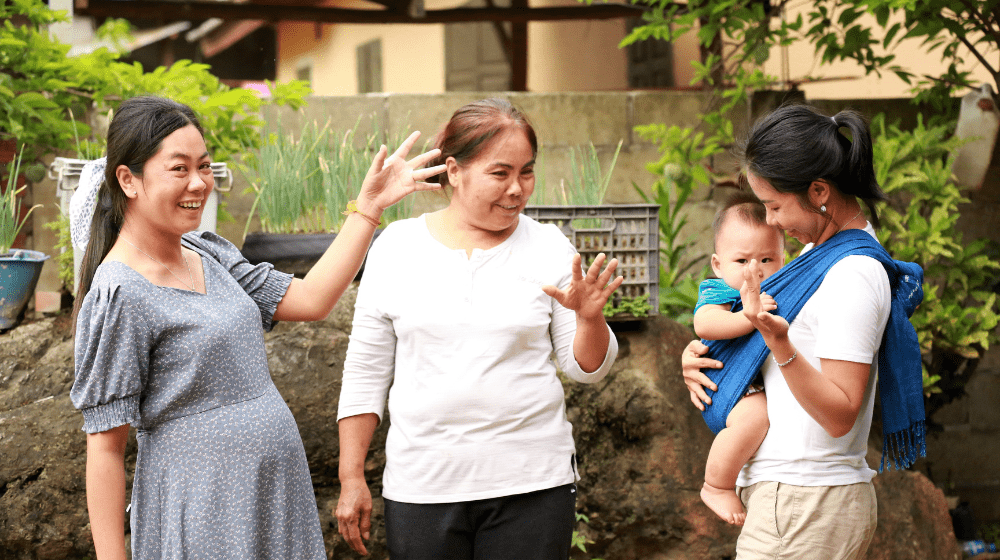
[(477, 410)]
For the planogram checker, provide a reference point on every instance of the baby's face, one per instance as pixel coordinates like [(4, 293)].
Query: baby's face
[(738, 243)]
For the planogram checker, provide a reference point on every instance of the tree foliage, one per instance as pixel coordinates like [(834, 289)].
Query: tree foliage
[(867, 32), (44, 93), (958, 317)]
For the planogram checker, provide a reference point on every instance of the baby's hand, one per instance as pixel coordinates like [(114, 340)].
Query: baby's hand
[(767, 302)]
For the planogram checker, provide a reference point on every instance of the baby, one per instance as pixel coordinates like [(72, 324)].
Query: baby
[(741, 235)]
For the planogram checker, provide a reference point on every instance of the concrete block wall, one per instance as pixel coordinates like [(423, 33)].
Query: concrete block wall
[(562, 121)]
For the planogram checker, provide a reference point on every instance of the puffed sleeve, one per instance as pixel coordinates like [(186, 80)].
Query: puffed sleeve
[(265, 285), (563, 328), (113, 340)]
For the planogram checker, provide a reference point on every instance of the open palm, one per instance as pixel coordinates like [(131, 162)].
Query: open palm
[(588, 293), (391, 178)]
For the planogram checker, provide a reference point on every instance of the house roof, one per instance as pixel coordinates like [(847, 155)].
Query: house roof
[(383, 11)]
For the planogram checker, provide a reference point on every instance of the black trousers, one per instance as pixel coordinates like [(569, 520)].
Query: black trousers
[(537, 525)]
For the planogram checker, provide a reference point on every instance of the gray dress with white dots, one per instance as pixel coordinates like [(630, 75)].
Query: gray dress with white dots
[(221, 471)]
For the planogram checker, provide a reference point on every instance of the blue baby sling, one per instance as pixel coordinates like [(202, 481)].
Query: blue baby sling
[(900, 381)]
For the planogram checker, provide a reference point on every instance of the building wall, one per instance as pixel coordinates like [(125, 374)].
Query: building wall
[(562, 56), (851, 82), (412, 56), (575, 55)]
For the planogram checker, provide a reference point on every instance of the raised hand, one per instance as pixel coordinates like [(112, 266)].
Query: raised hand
[(588, 293), (770, 325), (391, 178)]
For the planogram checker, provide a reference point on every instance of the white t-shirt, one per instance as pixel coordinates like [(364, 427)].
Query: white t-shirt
[(476, 408), (843, 320)]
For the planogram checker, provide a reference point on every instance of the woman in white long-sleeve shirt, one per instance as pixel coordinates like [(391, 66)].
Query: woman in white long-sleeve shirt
[(459, 312)]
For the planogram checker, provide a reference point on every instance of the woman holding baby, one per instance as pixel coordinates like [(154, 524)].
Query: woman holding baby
[(840, 327)]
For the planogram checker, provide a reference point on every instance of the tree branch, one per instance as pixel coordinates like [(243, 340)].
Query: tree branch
[(984, 23), (982, 60)]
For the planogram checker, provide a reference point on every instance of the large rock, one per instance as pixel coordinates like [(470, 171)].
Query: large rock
[(641, 452)]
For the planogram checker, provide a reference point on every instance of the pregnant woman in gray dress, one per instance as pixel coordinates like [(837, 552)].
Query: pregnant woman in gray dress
[(169, 339)]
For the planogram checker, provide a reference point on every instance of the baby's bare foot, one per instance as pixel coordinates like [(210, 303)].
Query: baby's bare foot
[(725, 503)]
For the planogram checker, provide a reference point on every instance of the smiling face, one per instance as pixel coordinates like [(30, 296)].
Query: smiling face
[(738, 242), (170, 195), (491, 190), (786, 212)]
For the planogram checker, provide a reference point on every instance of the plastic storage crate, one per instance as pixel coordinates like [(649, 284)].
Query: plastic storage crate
[(628, 232)]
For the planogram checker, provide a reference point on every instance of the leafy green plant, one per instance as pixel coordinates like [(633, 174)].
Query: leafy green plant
[(290, 181), (679, 171), (64, 246), (637, 306), (11, 217), (957, 320), (947, 29), (687, 153), (580, 541), (32, 62), (587, 183), (303, 184), (738, 36)]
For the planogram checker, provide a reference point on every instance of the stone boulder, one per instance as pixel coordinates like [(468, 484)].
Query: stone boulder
[(641, 449)]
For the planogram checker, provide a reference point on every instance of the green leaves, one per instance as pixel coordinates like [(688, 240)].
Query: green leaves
[(40, 84), (960, 31), (12, 216), (303, 184), (959, 314)]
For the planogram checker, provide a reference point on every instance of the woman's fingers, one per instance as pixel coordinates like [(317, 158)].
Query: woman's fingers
[(428, 172), (612, 286), (349, 528), (406, 146), (354, 510), (379, 161), (692, 362), (366, 524), (608, 272), (424, 158), (696, 401), (576, 265), (595, 267), (772, 325)]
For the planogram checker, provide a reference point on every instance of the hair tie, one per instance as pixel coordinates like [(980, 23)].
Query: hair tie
[(81, 206)]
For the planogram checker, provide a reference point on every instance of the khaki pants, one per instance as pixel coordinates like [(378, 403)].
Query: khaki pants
[(807, 522)]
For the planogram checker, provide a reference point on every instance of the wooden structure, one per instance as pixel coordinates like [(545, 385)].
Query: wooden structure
[(239, 17)]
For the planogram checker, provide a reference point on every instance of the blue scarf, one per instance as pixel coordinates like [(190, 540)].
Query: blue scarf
[(900, 381)]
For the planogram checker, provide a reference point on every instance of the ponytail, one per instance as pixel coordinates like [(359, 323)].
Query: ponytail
[(858, 173), (109, 214), (795, 145)]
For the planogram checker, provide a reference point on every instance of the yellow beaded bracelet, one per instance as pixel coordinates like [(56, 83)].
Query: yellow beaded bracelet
[(352, 208)]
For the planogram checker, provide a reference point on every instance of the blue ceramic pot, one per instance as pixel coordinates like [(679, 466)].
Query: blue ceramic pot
[(19, 272)]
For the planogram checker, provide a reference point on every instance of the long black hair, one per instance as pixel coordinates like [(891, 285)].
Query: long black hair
[(135, 135), (795, 145)]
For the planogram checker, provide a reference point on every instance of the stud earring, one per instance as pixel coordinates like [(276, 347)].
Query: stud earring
[(823, 208)]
